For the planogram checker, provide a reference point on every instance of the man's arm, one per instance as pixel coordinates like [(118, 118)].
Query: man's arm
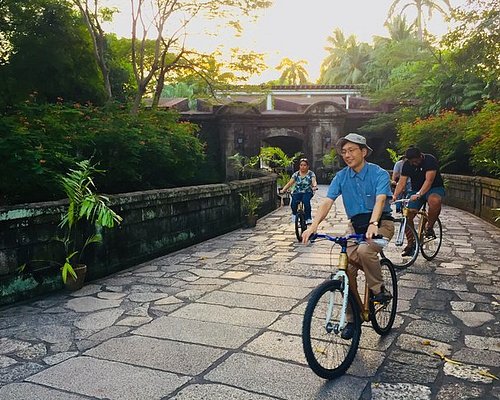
[(376, 214), (323, 210), (400, 187)]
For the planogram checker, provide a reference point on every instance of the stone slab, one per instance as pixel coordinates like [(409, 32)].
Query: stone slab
[(216, 392), (282, 380), (268, 290), (93, 379), (431, 330), (244, 300), (284, 280), (30, 391), (226, 315), (202, 332), (165, 355), (400, 391)]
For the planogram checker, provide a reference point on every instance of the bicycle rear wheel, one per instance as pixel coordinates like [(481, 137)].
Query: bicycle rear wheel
[(328, 355), (394, 249), (382, 315), (300, 225), (429, 246)]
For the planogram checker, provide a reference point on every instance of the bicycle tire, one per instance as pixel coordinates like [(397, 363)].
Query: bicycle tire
[(430, 247), (382, 315), (393, 251), (300, 225), (320, 342)]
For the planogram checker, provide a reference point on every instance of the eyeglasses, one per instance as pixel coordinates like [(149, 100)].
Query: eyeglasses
[(350, 150)]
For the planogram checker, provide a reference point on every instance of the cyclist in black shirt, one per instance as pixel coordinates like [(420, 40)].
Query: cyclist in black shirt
[(426, 185)]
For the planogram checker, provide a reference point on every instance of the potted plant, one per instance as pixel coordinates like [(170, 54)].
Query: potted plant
[(282, 180), (250, 203), (86, 207)]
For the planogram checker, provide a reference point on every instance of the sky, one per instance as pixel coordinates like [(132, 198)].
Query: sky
[(296, 29)]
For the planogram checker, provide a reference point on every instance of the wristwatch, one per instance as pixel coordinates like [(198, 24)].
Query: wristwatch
[(374, 223)]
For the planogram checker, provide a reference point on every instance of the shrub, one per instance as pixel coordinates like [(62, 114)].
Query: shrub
[(38, 143), (483, 133), (443, 136)]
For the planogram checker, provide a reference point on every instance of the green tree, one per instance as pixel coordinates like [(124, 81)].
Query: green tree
[(401, 47), (169, 35), (441, 6), (48, 52), (293, 72), (94, 15), (346, 62)]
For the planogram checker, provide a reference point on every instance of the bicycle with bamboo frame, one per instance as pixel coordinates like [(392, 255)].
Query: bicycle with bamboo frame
[(415, 239), (327, 353)]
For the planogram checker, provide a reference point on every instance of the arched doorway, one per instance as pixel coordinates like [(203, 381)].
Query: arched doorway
[(289, 144)]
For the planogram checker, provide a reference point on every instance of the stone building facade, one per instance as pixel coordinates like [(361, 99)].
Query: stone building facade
[(306, 119)]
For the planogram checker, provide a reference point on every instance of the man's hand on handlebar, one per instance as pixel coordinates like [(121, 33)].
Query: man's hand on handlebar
[(307, 234)]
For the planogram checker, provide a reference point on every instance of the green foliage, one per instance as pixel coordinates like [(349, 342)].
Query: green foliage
[(346, 62), (443, 136), (283, 179), (276, 157), (243, 164), (40, 142), (250, 203), (86, 207), (85, 204), (293, 72), (330, 158), (393, 154), (48, 52), (483, 134)]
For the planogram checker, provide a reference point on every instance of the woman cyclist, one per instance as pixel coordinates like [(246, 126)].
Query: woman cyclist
[(304, 182)]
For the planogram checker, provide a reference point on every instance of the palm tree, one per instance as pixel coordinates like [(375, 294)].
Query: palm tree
[(294, 72), (420, 5), (346, 62)]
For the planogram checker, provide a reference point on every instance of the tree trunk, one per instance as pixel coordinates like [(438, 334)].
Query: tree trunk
[(137, 99), (160, 84)]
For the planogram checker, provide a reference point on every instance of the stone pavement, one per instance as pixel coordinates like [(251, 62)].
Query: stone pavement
[(222, 320)]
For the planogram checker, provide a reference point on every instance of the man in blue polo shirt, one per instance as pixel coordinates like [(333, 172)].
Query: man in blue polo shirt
[(365, 190)]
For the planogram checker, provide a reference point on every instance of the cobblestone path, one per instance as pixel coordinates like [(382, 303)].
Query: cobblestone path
[(222, 320)]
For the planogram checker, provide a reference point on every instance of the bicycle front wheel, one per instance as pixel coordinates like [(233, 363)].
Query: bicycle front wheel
[(396, 248), (382, 315), (300, 225), (328, 355), (429, 246)]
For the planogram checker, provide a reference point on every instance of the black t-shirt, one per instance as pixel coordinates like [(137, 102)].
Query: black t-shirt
[(417, 174)]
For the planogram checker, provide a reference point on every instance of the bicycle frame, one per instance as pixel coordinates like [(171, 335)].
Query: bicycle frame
[(422, 213), (349, 283)]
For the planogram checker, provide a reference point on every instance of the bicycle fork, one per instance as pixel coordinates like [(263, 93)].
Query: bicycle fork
[(341, 275)]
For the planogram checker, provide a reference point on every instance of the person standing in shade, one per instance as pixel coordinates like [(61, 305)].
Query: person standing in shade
[(304, 184), (426, 186), (365, 189)]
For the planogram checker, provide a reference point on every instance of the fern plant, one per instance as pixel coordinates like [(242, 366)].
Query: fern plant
[(85, 206)]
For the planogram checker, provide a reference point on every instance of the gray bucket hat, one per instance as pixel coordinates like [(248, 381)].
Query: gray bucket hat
[(354, 138)]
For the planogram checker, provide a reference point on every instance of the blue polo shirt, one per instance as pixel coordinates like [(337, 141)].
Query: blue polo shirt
[(359, 190)]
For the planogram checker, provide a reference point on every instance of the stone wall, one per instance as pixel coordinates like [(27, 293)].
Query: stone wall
[(154, 223), (477, 195)]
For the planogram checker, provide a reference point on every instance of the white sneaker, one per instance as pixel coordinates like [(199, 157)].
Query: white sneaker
[(309, 221), (294, 218)]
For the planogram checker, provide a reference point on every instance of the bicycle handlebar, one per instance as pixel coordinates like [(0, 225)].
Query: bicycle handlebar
[(357, 237), (401, 201)]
